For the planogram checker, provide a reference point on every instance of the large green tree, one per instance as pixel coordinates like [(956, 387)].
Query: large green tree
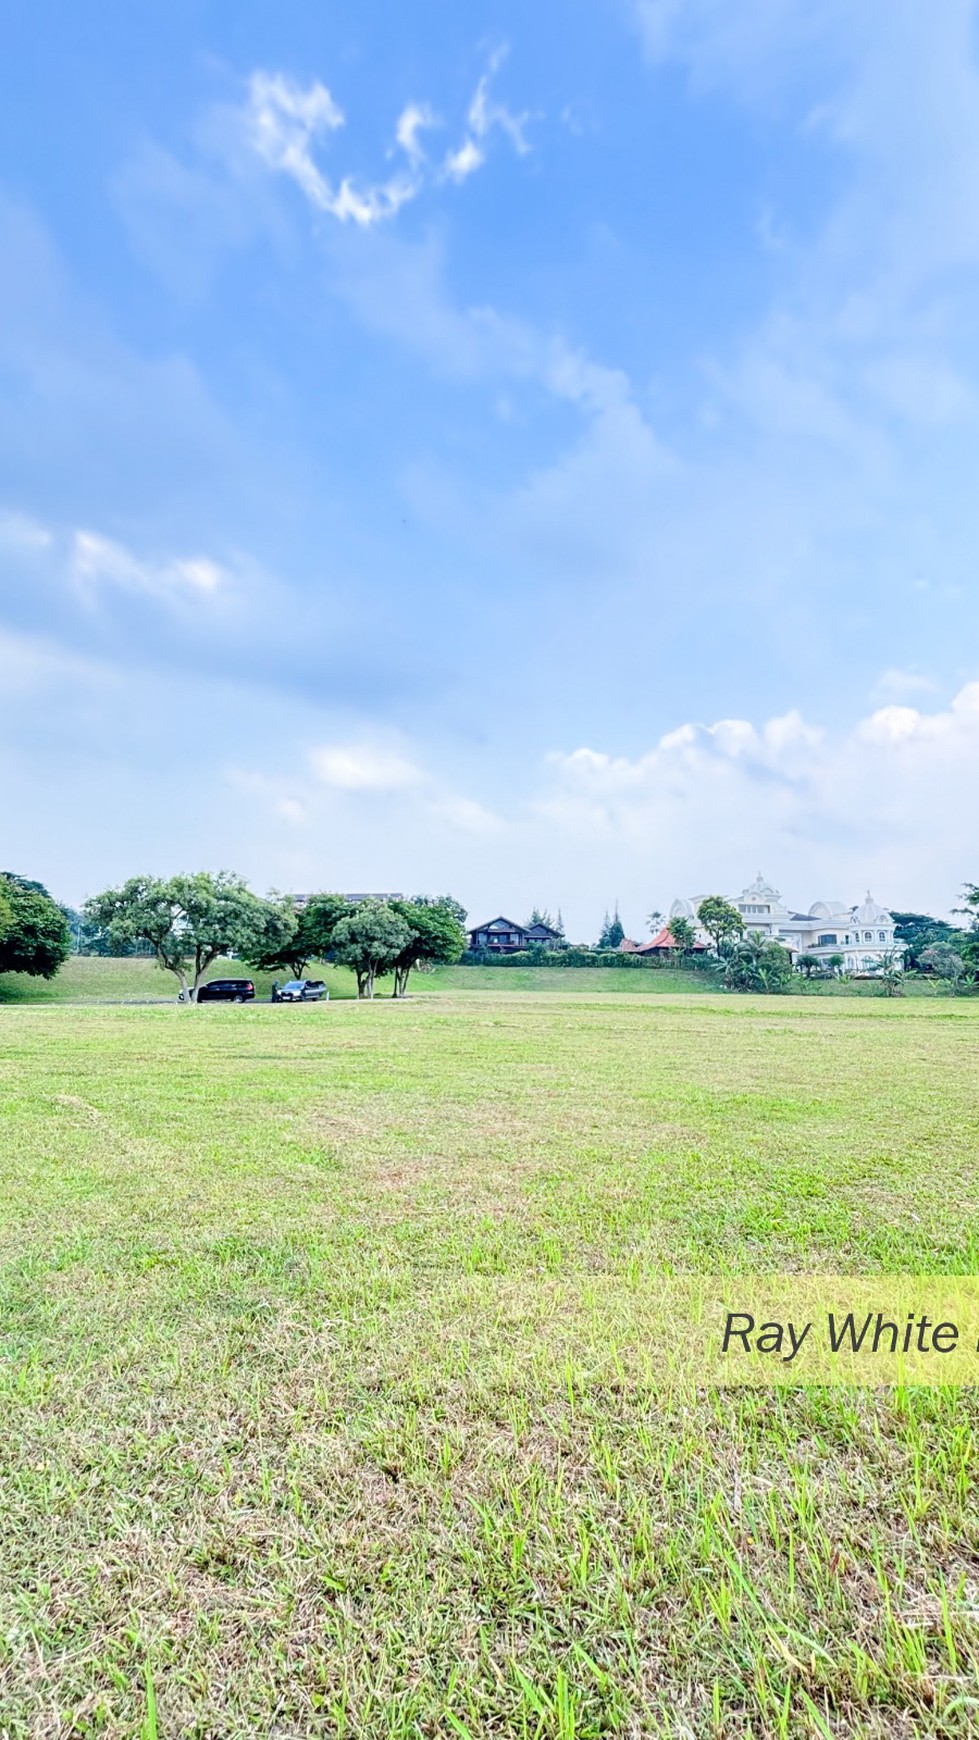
[(436, 938), (722, 921), (34, 933), (370, 939), (192, 920), (311, 938)]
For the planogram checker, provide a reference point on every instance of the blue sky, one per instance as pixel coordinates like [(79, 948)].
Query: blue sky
[(526, 451)]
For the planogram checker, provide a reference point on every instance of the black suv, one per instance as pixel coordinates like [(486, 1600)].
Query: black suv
[(226, 991)]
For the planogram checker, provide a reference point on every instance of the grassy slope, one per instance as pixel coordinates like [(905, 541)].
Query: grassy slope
[(264, 1443), (89, 979)]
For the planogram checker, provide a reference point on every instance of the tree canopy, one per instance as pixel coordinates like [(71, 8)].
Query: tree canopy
[(370, 939), (918, 931), (34, 934), (436, 937), (722, 921), (192, 920), (311, 938), (684, 935)]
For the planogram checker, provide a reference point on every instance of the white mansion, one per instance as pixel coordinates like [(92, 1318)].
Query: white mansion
[(861, 934)]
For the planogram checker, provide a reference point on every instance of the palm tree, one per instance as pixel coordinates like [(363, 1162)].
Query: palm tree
[(891, 973)]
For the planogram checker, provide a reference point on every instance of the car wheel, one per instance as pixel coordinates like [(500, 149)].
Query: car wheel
[(239, 999)]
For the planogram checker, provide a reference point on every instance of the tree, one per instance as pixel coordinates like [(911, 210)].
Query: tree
[(435, 938), (655, 920), (309, 939), (91, 939), (944, 961), (836, 965), (917, 931), (450, 903), (758, 964), (684, 935), (192, 920), (34, 934), (807, 964), (23, 882), (722, 921), (970, 947), (612, 931), (370, 939)]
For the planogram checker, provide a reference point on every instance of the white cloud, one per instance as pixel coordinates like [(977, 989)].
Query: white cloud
[(466, 816), (97, 561), (485, 116), (413, 119), (21, 533), (362, 767), (896, 685), (461, 163), (880, 803), (285, 122)]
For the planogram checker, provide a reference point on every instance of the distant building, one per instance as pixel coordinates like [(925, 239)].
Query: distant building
[(502, 936), (862, 934), (663, 942)]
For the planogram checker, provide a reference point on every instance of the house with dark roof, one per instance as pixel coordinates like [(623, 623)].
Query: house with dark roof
[(503, 936)]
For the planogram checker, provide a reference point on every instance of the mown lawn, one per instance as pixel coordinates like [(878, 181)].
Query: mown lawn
[(90, 979), (309, 1420)]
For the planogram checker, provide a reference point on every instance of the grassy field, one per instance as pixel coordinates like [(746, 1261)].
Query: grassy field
[(309, 1420), (89, 979)]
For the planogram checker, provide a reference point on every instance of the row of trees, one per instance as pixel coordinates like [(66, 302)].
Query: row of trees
[(191, 921)]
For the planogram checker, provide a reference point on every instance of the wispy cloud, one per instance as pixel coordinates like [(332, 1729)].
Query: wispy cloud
[(97, 561), (412, 121), (362, 767), (22, 533), (485, 116), (287, 121)]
